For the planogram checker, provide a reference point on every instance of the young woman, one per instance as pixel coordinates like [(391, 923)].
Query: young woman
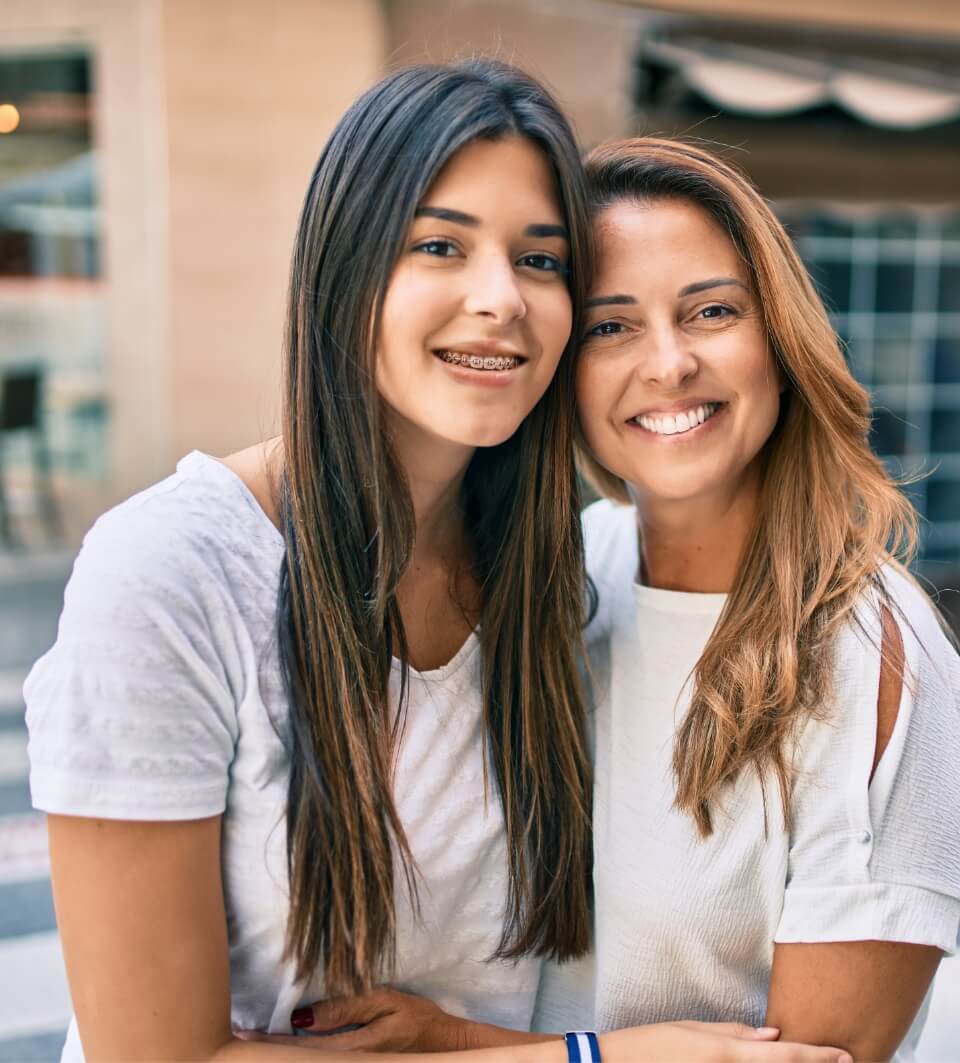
[(261, 732), (778, 727), (264, 732)]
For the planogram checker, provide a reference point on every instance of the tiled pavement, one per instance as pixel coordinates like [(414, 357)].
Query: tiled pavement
[(34, 1001)]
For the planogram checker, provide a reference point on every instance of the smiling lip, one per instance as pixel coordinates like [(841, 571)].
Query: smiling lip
[(681, 420), (493, 362), (483, 349)]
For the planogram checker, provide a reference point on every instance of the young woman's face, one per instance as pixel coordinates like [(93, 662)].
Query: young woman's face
[(477, 311), (677, 388)]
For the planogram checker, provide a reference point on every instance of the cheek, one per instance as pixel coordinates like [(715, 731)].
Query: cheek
[(550, 315), (762, 390), (413, 308), (594, 396)]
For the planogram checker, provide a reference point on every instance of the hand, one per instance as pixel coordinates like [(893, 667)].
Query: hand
[(710, 1042), (383, 1020)]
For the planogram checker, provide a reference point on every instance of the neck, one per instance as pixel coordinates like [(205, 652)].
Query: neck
[(696, 544), (435, 471)]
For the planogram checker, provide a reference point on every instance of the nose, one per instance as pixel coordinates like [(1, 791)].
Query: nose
[(668, 361), (493, 291)]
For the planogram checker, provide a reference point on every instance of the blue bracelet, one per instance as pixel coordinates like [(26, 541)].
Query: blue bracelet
[(582, 1046)]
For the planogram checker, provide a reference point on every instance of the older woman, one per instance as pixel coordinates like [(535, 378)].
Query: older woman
[(776, 799)]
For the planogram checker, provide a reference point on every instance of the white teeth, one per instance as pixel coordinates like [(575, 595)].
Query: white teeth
[(670, 425), (476, 361)]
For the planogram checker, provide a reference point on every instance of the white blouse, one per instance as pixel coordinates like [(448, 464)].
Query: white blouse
[(685, 928)]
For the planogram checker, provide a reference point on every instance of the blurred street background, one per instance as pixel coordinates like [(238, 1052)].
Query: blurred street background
[(153, 158)]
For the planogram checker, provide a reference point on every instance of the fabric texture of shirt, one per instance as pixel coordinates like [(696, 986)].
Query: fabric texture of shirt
[(685, 928), (162, 699)]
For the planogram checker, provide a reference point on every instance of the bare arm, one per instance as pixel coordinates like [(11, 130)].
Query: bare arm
[(859, 995), (141, 916)]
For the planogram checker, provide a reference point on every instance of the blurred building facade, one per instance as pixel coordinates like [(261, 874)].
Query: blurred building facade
[(148, 196)]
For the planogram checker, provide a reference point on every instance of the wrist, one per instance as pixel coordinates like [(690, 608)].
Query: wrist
[(478, 1035), (583, 1046)]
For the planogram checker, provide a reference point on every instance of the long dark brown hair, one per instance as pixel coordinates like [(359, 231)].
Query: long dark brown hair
[(830, 515), (349, 529)]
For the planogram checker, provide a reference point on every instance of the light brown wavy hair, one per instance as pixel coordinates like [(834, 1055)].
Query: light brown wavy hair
[(349, 528), (830, 515)]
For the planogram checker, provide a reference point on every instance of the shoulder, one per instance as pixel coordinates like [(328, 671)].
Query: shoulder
[(896, 627), (195, 529), (610, 542)]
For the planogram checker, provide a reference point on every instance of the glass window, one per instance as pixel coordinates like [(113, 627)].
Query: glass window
[(891, 280), (888, 433), (945, 433), (52, 296), (831, 225), (894, 354), (832, 279), (946, 360), (943, 500), (950, 289), (895, 284), (897, 227)]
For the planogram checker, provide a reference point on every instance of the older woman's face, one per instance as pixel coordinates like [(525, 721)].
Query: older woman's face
[(677, 388)]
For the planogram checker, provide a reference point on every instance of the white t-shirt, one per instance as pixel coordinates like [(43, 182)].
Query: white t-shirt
[(685, 928), (162, 699)]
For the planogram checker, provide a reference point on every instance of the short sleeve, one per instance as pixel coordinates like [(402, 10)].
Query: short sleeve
[(610, 546), (880, 859), (130, 714)]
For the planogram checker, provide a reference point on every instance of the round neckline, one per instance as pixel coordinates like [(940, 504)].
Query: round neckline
[(687, 602), (437, 675)]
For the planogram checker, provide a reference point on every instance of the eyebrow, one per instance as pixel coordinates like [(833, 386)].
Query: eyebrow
[(714, 282), (690, 289), (611, 300), (459, 217)]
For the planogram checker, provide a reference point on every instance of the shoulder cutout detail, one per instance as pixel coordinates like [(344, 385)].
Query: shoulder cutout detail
[(891, 684)]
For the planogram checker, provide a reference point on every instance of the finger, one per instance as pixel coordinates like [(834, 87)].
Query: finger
[(371, 1038), (342, 1011)]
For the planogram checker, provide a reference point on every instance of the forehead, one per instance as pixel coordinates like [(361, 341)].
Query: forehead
[(665, 238), (496, 172)]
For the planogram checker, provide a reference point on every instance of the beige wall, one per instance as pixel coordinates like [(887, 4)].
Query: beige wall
[(583, 50), (252, 91), (123, 37)]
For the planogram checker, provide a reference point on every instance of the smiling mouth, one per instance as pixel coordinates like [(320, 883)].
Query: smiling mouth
[(483, 363), (676, 424)]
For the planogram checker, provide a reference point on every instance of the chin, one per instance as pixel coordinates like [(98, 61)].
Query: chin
[(482, 436), (670, 489)]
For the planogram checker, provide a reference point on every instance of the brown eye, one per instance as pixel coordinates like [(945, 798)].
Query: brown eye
[(542, 263), (712, 313), (606, 328), (437, 248)]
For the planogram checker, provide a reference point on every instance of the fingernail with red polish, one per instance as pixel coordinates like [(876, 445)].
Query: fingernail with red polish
[(302, 1018)]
